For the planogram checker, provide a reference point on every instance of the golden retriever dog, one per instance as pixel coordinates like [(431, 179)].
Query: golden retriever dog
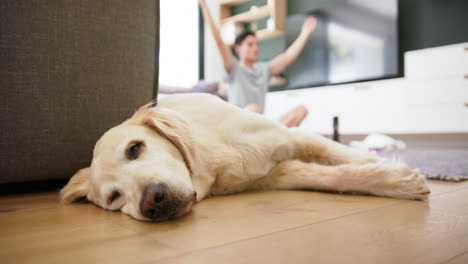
[(156, 165)]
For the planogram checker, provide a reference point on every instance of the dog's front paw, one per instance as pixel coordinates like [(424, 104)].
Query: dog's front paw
[(412, 185)]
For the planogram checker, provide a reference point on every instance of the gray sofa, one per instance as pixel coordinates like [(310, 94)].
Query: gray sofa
[(69, 70)]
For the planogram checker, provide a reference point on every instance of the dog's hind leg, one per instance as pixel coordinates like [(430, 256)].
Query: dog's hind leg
[(318, 149), (391, 180)]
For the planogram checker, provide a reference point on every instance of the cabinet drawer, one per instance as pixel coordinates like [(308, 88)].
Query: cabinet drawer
[(447, 62)]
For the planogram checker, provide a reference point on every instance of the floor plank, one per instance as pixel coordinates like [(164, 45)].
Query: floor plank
[(409, 232), (226, 219), (252, 227), (28, 201), (460, 259)]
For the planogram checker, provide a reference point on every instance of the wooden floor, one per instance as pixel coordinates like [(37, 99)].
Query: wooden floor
[(269, 227)]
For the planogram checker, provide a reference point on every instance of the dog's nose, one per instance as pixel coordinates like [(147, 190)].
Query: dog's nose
[(154, 200)]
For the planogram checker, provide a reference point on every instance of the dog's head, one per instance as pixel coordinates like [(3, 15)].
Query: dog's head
[(141, 167)]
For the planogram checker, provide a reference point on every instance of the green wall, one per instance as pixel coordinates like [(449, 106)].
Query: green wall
[(304, 6)]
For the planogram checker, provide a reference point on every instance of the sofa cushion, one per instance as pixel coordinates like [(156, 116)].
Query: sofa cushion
[(70, 70)]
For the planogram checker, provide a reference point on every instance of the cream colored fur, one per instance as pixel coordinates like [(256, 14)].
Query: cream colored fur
[(198, 143)]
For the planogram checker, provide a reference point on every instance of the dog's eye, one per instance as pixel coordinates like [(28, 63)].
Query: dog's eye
[(114, 196), (134, 150)]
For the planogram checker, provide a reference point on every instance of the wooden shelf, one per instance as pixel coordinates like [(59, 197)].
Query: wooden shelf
[(233, 2), (267, 34), (249, 16), (275, 9)]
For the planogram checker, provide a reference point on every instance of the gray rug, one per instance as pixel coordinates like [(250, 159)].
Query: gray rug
[(436, 164)]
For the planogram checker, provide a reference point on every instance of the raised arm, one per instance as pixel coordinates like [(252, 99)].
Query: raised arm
[(226, 54), (282, 61)]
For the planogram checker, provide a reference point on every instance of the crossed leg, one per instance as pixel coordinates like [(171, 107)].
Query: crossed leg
[(292, 118), (295, 116), (253, 108)]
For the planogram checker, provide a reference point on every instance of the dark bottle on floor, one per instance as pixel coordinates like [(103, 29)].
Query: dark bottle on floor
[(336, 134)]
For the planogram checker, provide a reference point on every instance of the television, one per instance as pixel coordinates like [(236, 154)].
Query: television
[(355, 40)]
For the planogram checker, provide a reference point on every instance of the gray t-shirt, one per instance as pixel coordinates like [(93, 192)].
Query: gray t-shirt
[(248, 85)]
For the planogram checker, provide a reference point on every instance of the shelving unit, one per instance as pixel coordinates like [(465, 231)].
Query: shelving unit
[(254, 14), (274, 9), (263, 34)]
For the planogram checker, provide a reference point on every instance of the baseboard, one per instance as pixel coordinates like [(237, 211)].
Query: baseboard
[(32, 187), (445, 140)]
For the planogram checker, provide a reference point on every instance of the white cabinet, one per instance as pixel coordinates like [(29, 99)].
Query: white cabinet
[(434, 99), (446, 62)]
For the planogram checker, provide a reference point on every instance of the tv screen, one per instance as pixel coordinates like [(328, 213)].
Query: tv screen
[(355, 40)]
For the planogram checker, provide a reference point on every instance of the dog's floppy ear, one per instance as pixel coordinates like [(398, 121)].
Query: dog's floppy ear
[(76, 188), (172, 126)]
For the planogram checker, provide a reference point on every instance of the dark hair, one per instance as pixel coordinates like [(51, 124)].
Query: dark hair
[(241, 37)]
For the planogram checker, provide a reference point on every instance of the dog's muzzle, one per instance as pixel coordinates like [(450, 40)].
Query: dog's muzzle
[(161, 203)]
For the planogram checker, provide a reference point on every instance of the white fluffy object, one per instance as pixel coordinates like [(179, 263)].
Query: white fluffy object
[(376, 141)]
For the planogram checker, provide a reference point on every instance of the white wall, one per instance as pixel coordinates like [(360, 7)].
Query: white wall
[(214, 69), (179, 38)]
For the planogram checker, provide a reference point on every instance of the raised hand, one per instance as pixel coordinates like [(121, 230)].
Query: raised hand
[(309, 25)]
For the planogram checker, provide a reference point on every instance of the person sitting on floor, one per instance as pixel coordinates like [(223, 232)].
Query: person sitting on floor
[(247, 78)]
